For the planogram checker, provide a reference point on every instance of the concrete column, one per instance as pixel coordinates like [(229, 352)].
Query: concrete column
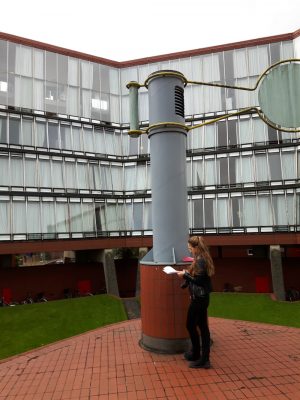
[(277, 274), (142, 252), (110, 273)]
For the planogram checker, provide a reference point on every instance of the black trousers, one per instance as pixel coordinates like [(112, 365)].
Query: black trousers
[(197, 318)]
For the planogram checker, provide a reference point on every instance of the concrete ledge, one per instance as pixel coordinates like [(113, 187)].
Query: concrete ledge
[(163, 346)]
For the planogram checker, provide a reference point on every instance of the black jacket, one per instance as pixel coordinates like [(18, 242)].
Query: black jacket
[(201, 280)]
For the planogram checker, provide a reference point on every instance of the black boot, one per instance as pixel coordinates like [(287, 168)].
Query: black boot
[(190, 356), (200, 364)]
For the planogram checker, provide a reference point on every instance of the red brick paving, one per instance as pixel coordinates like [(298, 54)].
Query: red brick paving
[(250, 361)]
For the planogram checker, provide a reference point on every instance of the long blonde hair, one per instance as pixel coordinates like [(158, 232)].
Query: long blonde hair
[(201, 252)]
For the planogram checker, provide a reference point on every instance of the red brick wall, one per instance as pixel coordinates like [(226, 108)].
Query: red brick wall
[(50, 279)]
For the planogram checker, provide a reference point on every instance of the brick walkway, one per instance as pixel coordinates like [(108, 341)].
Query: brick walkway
[(250, 361)]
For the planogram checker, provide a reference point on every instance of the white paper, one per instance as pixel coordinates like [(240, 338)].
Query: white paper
[(169, 270)]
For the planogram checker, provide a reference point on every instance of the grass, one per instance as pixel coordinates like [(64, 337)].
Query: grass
[(254, 307), (32, 325)]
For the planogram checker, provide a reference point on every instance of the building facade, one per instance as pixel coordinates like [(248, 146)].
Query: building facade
[(72, 178)]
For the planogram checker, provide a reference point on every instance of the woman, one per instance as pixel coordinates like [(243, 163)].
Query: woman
[(198, 280)]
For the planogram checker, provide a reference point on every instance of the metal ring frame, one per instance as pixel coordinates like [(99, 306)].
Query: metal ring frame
[(242, 111)]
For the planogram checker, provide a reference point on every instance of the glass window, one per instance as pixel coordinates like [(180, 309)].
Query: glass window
[(209, 212), (222, 212), (16, 170), (148, 215), (229, 67), (232, 141), (141, 177), (130, 177), (3, 131), (73, 100), (4, 178), (210, 172), (223, 171), (53, 136), (70, 171), (23, 61), (76, 133), (31, 172), (259, 130), (41, 134), (117, 174), (65, 135), (133, 146), (258, 59), (111, 217), (275, 52), (288, 165), (62, 65), (250, 211), (245, 131), (244, 169), (236, 209), (19, 217), (88, 215), (94, 176), (86, 103), (14, 131), (62, 217), (109, 141), (38, 94), (198, 172), (265, 217), (291, 209), (75, 217), (62, 99), (100, 217), (232, 170), (287, 50), (106, 183), (275, 167), (38, 63), (33, 217), (44, 173), (3, 55), (222, 134), (57, 174), (5, 216), (48, 217), (262, 173), (280, 210), (86, 74), (88, 139), (197, 138), (82, 174), (121, 216), (73, 74), (138, 216), (104, 78), (27, 126), (51, 66), (114, 79), (240, 63), (198, 213), (99, 141)]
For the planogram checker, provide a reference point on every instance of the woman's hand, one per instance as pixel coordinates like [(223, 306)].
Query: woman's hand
[(181, 273)]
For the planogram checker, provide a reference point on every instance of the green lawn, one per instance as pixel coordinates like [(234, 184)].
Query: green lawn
[(32, 325), (254, 307)]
